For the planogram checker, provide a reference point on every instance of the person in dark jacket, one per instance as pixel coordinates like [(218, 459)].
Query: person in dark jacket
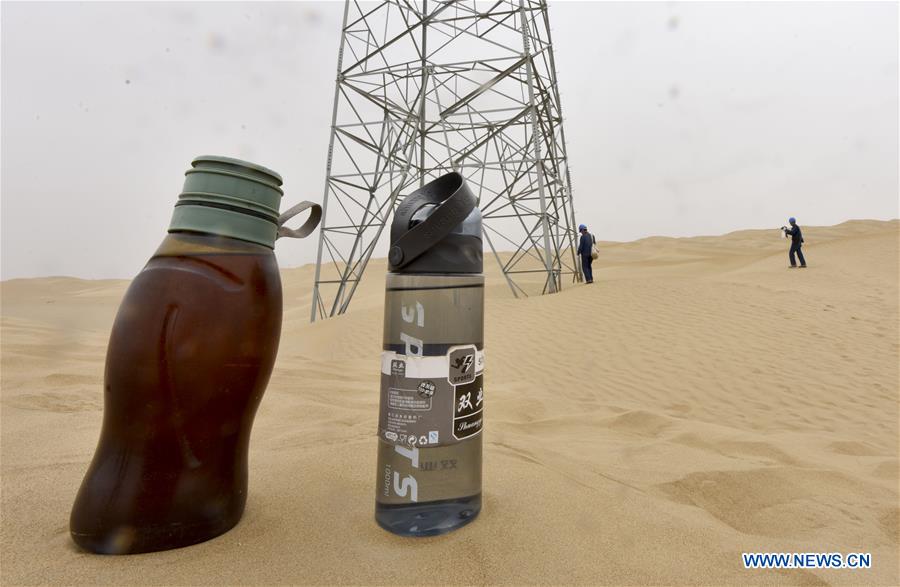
[(796, 242), (584, 249)]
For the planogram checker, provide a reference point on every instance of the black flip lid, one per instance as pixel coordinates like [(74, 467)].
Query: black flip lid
[(437, 229)]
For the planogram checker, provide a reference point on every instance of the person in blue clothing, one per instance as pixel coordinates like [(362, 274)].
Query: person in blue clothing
[(585, 245), (796, 242)]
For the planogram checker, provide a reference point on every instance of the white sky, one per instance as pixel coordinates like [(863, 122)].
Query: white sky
[(681, 119)]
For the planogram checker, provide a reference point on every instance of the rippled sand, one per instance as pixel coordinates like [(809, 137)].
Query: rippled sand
[(698, 401)]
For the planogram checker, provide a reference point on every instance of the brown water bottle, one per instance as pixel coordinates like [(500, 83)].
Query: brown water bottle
[(189, 357)]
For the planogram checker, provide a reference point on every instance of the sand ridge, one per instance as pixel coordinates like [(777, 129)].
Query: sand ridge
[(698, 401)]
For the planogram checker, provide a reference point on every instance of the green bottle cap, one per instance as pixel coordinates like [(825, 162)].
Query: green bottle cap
[(229, 197)]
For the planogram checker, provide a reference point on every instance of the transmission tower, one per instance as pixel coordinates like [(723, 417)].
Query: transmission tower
[(427, 87)]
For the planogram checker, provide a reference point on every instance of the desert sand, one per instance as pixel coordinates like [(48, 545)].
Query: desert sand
[(698, 401)]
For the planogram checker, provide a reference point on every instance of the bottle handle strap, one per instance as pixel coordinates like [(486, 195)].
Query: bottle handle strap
[(451, 210), (315, 215)]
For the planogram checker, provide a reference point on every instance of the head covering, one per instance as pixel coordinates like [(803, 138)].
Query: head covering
[(582, 227), (792, 220)]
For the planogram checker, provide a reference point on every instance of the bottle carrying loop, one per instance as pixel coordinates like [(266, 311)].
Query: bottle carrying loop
[(450, 212), (315, 215)]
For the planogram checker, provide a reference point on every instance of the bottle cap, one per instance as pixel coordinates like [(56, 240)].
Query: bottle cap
[(229, 197), (437, 229)]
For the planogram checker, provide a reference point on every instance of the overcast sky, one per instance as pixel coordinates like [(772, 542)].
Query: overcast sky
[(681, 119)]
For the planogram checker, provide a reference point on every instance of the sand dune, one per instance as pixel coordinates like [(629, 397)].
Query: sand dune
[(698, 401)]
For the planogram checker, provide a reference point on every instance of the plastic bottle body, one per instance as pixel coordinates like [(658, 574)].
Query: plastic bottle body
[(432, 404), (190, 353)]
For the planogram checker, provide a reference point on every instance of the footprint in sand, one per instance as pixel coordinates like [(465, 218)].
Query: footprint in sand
[(889, 469), (776, 501), (639, 422), (890, 523), (854, 448)]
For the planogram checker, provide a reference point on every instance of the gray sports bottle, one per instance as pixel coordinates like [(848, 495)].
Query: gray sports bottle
[(432, 366)]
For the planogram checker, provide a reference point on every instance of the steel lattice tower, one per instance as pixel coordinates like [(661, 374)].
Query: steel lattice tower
[(425, 87)]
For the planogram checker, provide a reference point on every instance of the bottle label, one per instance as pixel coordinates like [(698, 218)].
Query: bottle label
[(431, 401)]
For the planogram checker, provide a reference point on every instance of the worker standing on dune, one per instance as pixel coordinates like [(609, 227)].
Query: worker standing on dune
[(585, 249), (796, 242)]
